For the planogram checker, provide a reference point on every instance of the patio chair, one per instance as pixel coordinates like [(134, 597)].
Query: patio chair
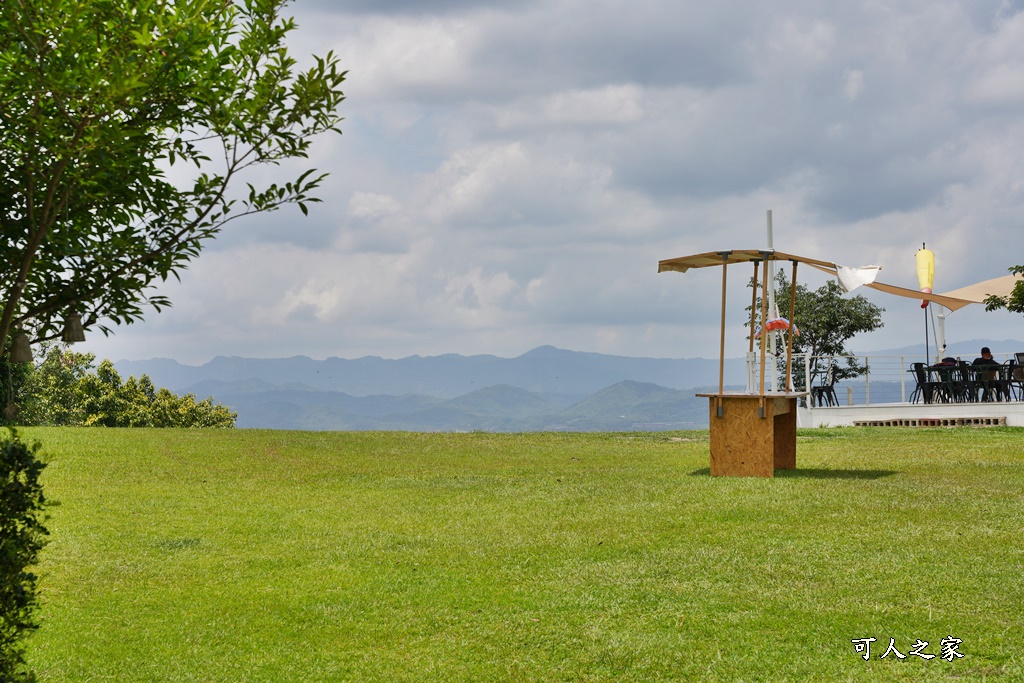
[(972, 383), (826, 393), (1017, 377), (1010, 388), (926, 390)]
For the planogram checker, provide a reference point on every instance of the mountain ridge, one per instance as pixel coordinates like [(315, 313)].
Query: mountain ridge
[(546, 388), (624, 406), (545, 369)]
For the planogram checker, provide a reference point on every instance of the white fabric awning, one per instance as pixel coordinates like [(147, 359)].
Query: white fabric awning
[(954, 300), (977, 293), (852, 278)]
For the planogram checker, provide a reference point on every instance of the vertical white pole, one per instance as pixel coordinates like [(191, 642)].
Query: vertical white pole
[(903, 381), (940, 341), (807, 379), (867, 382)]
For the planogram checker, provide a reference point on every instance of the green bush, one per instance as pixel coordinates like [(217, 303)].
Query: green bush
[(22, 536), (65, 390)]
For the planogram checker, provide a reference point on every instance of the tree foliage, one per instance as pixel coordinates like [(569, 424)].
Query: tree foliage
[(64, 390), (827, 320), (12, 380), (22, 536), (1015, 301), (124, 126)]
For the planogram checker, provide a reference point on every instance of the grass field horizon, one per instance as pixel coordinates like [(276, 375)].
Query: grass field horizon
[(238, 555)]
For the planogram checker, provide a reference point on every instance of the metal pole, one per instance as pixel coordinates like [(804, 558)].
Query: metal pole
[(807, 379), (867, 381), (903, 381), (927, 353), (940, 335)]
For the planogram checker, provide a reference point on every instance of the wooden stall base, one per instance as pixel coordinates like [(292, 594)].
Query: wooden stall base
[(745, 443)]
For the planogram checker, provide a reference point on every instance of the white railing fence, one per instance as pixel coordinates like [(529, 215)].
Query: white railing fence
[(887, 379)]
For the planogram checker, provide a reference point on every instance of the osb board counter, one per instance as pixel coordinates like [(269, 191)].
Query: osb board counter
[(748, 443)]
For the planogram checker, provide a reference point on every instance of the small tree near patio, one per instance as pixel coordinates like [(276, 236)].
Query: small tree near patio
[(827, 320), (1015, 301)]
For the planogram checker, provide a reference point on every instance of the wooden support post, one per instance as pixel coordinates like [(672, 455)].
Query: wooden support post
[(721, 342), (792, 328), (764, 321)]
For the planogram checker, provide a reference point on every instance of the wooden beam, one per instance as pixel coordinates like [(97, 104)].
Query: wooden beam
[(721, 341), (764, 320), (792, 327)]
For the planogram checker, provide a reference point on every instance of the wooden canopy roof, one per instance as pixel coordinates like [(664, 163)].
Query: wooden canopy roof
[(717, 258)]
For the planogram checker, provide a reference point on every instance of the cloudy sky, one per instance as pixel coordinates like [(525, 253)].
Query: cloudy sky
[(511, 172)]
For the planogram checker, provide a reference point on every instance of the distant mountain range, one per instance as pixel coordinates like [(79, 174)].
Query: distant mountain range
[(968, 350), (544, 389), (544, 370), (625, 406)]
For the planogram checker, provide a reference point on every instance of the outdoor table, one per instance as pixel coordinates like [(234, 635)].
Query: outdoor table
[(746, 442), (977, 377), (940, 379)]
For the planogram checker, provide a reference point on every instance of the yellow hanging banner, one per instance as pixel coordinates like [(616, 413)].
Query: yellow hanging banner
[(925, 272)]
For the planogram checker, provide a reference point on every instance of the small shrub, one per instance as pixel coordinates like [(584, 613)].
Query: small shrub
[(22, 536)]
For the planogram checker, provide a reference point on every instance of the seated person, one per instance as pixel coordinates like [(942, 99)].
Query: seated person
[(986, 357), (987, 374)]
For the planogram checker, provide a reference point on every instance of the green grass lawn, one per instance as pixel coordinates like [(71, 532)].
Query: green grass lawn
[(300, 556)]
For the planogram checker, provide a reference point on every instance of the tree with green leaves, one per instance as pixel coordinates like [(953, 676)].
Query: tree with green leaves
[(22, 537), (46, 394), (125, 127), (1014, 302), (107, 401), (64, 389), (827, 320)]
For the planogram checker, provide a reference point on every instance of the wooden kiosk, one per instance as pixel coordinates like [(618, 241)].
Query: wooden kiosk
[(748, 440), (752, 433)]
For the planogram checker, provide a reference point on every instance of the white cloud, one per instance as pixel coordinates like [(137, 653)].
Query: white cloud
[(853, 84), (1002, 83), (804, 39), (372, 205), (518, 194), (511, 173), (393, 58), (998, 62), (609, 105)]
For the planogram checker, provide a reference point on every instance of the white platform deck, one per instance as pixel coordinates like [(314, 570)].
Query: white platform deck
[(915, 415)]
